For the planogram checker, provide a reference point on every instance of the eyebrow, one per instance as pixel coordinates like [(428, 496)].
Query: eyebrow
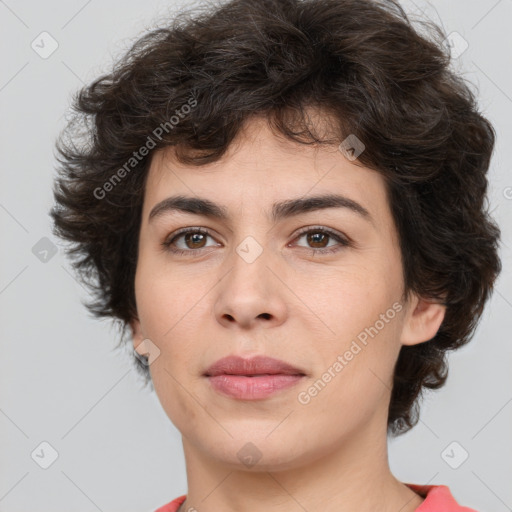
[(281, 210)]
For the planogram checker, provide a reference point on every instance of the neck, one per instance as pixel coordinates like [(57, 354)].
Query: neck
[(352, 476)]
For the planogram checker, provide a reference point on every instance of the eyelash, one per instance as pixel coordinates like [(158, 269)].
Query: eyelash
[(343, 241)]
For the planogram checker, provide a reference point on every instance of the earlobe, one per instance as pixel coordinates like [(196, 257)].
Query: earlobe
[(422, 321)]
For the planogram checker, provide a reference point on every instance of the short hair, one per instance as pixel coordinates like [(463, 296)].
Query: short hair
[(194, 83)]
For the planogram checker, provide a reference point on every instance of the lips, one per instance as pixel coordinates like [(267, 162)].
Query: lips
[(258, 365), (257, 378)]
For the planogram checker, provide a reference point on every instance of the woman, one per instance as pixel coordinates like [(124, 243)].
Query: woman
[(283, 202)]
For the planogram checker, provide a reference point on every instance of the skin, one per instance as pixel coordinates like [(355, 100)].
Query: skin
[(331, 453)]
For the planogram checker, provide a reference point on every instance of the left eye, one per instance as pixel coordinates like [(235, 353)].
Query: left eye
[(319, 236)]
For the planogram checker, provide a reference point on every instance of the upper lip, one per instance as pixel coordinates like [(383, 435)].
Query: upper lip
[(258, 365)]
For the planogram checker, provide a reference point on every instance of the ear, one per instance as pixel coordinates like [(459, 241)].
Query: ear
[(137, 335), (422, 320)]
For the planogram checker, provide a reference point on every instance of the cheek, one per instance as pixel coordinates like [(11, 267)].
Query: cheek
[(347, 300), (361, 326), (165, 308), (166, 314), (354, 381), (163, 297), (177, 404)]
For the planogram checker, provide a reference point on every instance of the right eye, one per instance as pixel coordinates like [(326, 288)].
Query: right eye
[(191, 236)]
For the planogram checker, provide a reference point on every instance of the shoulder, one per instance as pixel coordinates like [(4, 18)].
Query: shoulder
[(438, 498), (173, 505)]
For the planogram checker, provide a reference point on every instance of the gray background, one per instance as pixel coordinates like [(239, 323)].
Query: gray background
[(61, 381)]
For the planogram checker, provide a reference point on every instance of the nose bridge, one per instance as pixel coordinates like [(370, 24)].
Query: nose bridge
[(250, 249), (249, 261), (250, 290), (252, 237)]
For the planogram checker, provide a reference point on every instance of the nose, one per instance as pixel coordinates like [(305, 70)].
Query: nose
[(252, 292)]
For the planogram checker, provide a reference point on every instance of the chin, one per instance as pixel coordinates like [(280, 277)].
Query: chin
[(253, 453)]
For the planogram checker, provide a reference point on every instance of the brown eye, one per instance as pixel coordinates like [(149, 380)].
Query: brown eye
[(192, 239), (197, 240), (319, 238)]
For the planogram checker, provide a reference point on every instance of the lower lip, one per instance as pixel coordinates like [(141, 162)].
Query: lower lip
[(252, 388)]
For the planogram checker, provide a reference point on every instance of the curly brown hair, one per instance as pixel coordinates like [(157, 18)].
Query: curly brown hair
[(359, 61)]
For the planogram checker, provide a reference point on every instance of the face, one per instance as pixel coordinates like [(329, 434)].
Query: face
[(318, 288)]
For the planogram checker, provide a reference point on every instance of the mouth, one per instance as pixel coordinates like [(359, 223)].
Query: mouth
[(252, 379), (253, 387), (255, 366)]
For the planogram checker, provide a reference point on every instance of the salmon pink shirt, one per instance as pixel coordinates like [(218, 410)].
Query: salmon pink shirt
[(437, 498)]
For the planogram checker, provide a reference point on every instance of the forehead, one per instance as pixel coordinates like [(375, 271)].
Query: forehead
[(262, 168)]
